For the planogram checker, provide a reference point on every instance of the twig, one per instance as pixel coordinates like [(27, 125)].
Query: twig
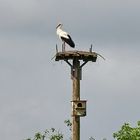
[(100, 55), (53, 57)]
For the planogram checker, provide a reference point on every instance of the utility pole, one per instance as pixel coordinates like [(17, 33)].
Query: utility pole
[(73, 59)]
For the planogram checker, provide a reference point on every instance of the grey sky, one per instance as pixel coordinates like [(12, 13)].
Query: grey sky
[(35, 92)]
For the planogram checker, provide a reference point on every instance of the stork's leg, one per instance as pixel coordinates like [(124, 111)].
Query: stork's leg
[(63, 47)]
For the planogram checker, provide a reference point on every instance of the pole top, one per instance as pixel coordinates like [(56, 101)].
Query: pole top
[(79, 55)]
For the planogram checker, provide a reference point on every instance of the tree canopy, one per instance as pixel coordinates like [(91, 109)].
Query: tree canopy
[(128, 133)]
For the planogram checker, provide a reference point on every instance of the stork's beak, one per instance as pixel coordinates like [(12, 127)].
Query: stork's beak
[(59, 25)]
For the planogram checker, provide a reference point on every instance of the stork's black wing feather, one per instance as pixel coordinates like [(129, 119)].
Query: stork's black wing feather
[(69, 41)]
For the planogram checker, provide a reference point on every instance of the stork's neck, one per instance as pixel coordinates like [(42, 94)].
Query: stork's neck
[(58, 30)]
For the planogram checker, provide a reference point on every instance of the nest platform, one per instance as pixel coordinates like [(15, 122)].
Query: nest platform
[(79, 55)]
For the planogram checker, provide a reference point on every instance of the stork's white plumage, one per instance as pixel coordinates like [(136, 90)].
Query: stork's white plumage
[(64, 36)]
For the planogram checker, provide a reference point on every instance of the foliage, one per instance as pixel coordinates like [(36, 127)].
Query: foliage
[(51, 134), (128, 133), (69, 124)]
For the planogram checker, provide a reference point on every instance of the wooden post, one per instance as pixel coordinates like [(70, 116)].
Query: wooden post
[(76, 97), (76, 74)]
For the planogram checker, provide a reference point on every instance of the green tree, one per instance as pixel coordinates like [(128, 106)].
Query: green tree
[(49, 134), (128, 133)]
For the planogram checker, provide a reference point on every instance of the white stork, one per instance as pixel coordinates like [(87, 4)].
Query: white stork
[(64, 36)]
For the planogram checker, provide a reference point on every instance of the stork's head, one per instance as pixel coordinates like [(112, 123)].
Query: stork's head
[(59, 25)]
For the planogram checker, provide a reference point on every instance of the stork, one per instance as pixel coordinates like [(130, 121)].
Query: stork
[(64, 36)]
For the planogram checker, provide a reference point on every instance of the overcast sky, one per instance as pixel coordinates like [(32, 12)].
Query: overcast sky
[(35, 91)]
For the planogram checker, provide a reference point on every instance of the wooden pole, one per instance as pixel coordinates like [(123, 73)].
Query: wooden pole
[(76, 74), (76, 97)]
